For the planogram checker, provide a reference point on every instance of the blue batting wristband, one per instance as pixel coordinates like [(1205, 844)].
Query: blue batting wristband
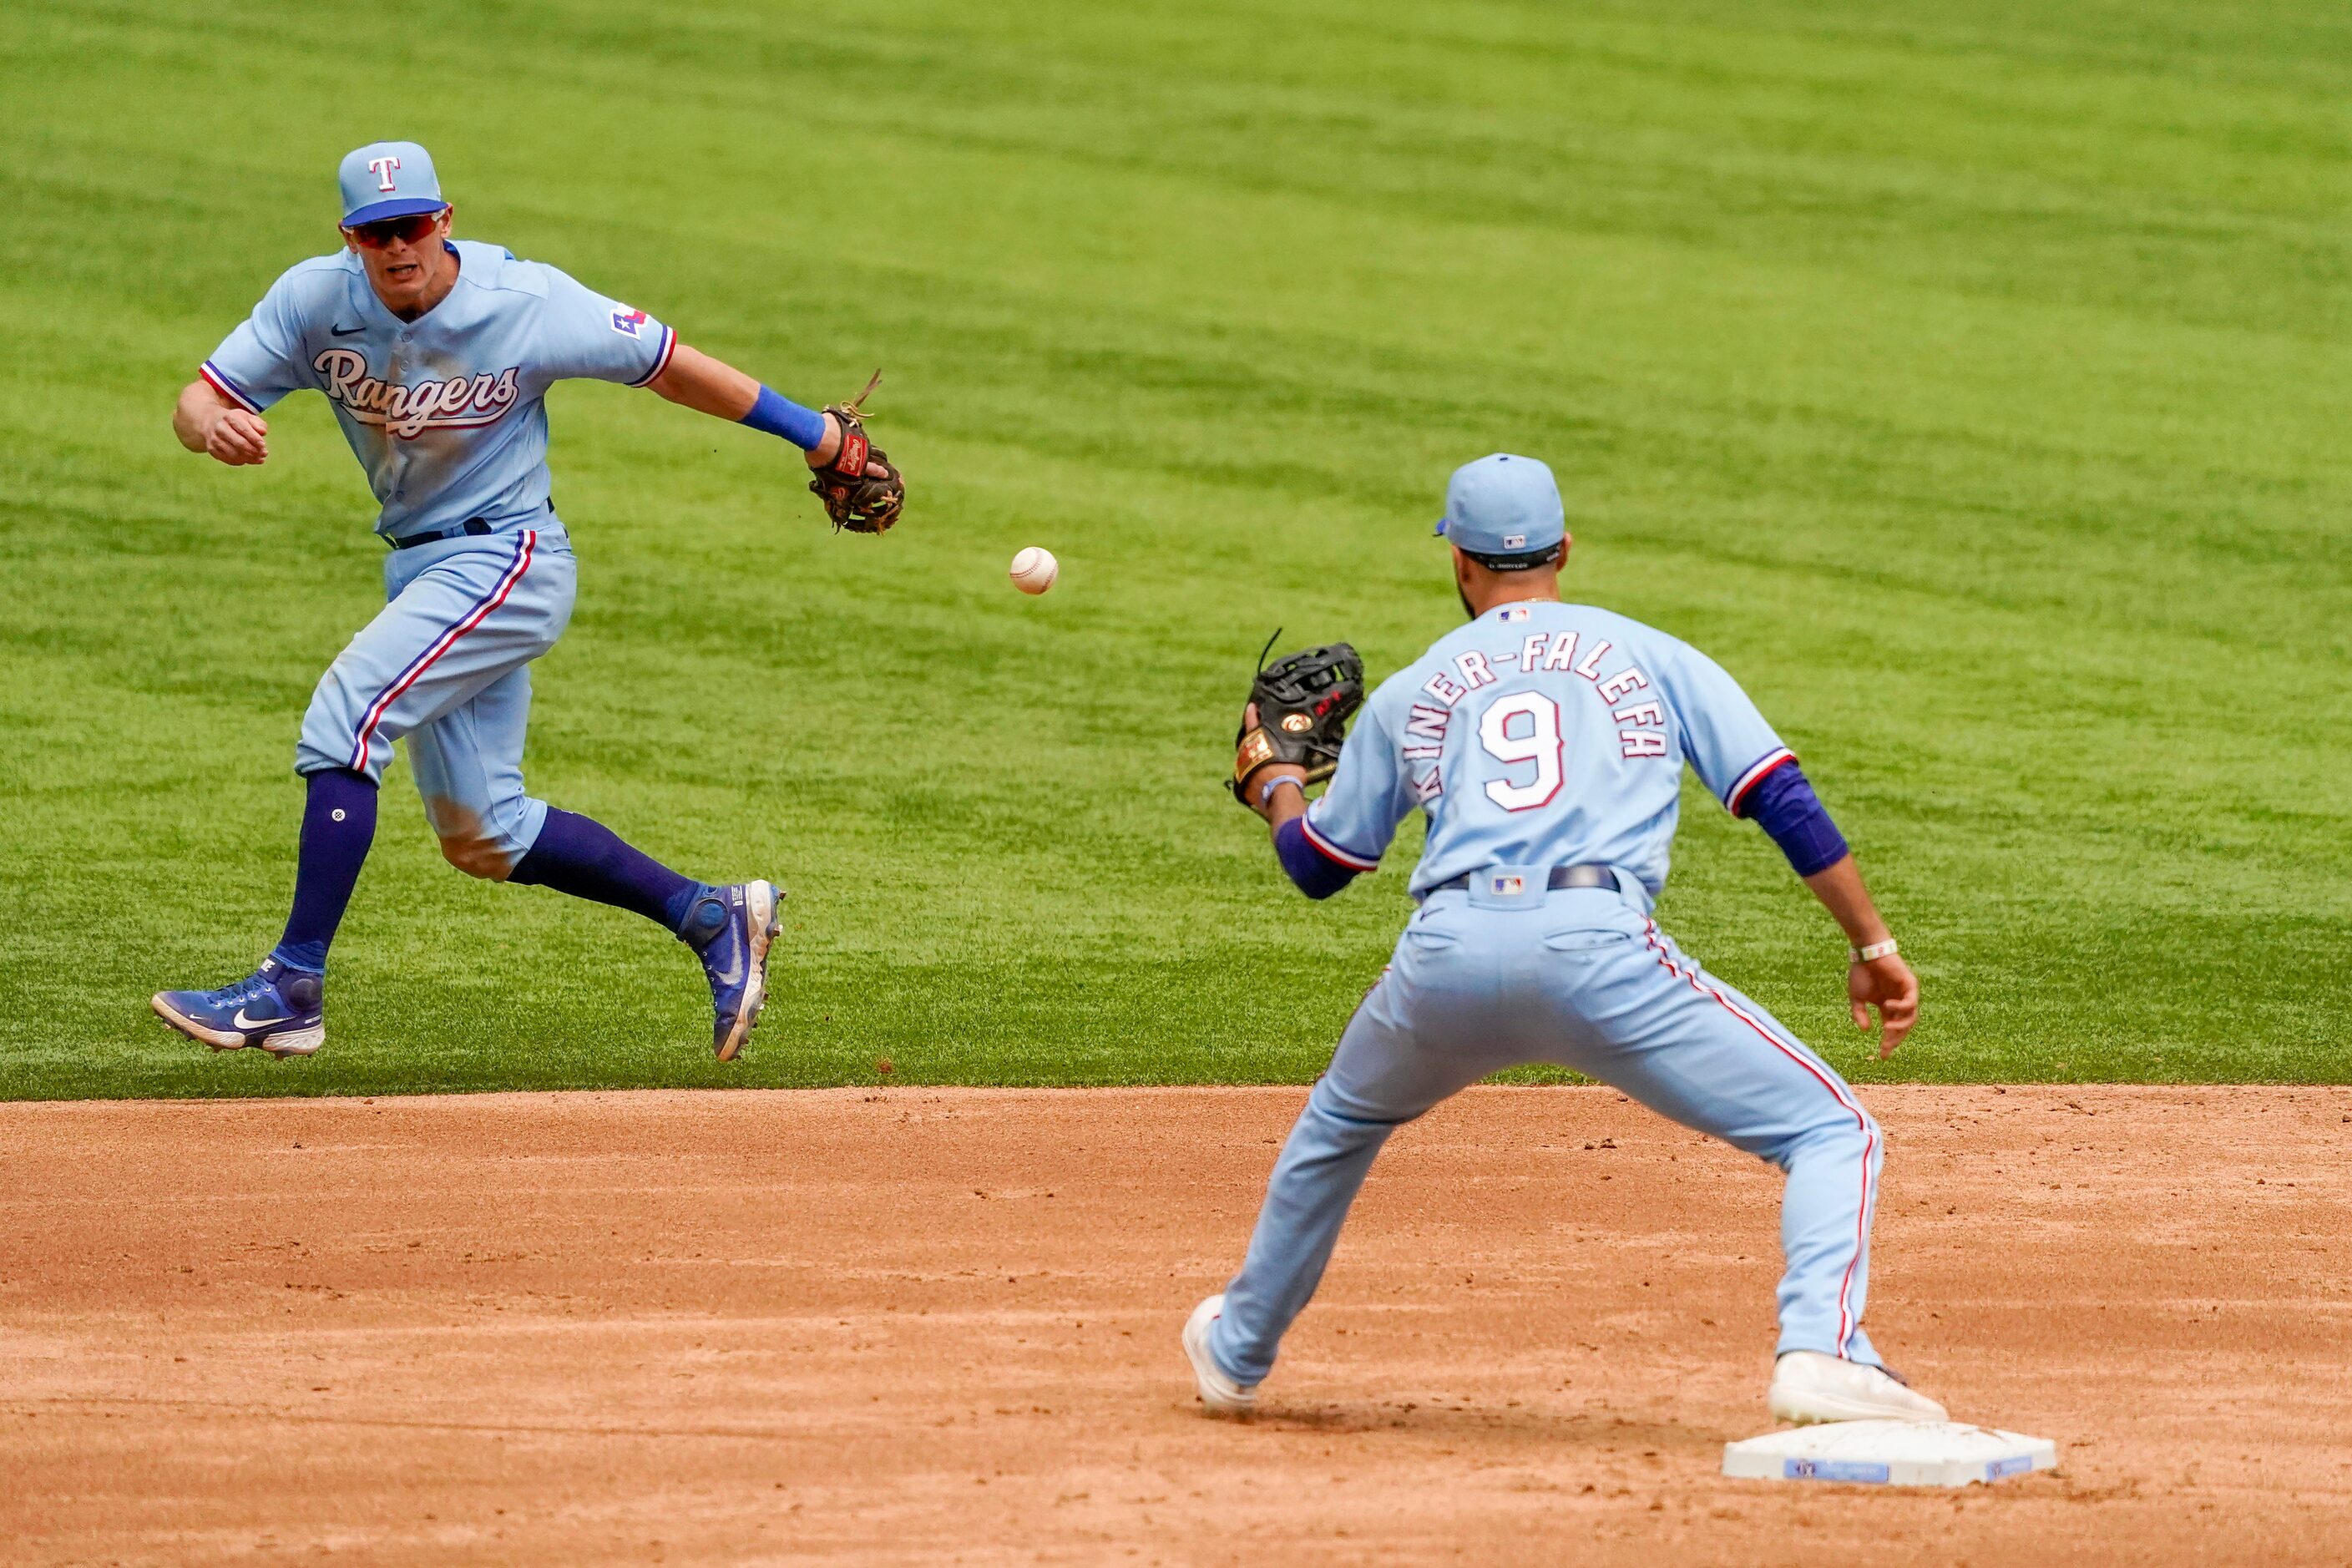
[(779, 415)]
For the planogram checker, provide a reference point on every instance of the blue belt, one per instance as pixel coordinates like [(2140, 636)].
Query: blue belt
[(477, 526), (1588, 876)]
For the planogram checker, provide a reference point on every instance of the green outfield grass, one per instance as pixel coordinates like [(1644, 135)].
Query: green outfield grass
[(1970, 381)]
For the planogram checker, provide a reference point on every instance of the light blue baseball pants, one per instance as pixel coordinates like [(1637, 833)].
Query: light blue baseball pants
[(1585, 979), (446, 665)]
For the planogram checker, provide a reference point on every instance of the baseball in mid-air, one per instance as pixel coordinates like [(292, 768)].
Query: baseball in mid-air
[(1034, 570)]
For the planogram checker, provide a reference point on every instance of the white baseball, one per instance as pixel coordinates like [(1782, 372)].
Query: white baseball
[(1034, 570)]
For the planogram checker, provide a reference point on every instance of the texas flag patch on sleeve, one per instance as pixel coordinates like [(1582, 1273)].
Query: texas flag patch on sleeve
[(627, 321)]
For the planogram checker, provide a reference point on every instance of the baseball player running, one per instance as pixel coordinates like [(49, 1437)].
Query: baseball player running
[(1546, 743), (438, 355)]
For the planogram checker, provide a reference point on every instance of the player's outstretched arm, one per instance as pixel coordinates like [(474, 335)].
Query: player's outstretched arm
[(860, 489), (206, 422), (1883, 981), (695, 380)]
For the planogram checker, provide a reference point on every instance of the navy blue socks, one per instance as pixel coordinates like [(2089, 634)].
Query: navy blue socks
[(581, 856), (573, 854), (338, 826)]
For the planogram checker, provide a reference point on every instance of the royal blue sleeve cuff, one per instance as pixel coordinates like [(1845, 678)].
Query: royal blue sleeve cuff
[(1317, 875), (1784, 805), (779, 415)]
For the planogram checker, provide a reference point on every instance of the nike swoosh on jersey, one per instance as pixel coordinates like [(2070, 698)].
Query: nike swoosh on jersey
[(242, 1022), (345, 332)]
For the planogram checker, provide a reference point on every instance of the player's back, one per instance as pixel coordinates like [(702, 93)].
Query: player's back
[(1544, 734)]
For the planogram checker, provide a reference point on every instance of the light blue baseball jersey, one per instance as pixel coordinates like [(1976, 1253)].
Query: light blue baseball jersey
[(1541, 735), (446, 412)]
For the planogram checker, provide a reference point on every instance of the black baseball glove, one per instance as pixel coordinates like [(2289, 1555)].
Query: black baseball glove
[(1303, 702), (856, 500)]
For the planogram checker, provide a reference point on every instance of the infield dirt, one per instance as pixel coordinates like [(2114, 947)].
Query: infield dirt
[(920, 1325)]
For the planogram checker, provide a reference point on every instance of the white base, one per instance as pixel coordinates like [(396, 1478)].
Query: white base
[(1890, 1454)]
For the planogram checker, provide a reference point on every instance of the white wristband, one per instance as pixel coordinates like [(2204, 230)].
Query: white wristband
[(1265, 791), (1876, 949)]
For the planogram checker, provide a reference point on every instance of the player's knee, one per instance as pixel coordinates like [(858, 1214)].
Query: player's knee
[(1852, 1134), (1346, 1121), (1837, 1133), (467, 841), (476, 858)]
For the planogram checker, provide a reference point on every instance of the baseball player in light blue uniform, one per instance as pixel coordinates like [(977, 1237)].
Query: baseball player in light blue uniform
[(1545, 742), (436, 356)]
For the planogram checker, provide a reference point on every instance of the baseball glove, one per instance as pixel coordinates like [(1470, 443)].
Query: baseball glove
[(1304, 701), (853, 498)]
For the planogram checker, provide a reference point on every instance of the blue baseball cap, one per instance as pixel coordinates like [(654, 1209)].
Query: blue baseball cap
[(388, 179), (1503, 505)]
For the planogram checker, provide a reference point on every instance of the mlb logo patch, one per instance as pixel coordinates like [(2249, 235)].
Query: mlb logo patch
[(1514, 613), (1515, 542), (626, 321), (1509, 887)]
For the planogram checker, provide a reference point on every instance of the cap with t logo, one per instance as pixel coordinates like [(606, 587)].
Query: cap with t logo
[(1502, 506), (388, 179)]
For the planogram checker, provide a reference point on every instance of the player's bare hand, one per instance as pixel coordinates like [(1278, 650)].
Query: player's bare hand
[(1887, 985), (237, 439)]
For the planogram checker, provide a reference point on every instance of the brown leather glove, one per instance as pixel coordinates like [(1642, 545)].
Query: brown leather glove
[(856, 500)]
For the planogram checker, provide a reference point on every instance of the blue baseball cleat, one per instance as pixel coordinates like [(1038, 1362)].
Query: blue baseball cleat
[(732, 929), (276, 1009)]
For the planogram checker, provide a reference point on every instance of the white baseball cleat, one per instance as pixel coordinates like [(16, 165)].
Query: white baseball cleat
[(1220, 1394), (1808, 1386)]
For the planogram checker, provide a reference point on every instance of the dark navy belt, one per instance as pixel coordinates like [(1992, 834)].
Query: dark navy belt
[(1561, 877), (477, 526)]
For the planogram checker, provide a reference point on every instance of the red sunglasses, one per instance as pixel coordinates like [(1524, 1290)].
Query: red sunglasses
[(412, 228)]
